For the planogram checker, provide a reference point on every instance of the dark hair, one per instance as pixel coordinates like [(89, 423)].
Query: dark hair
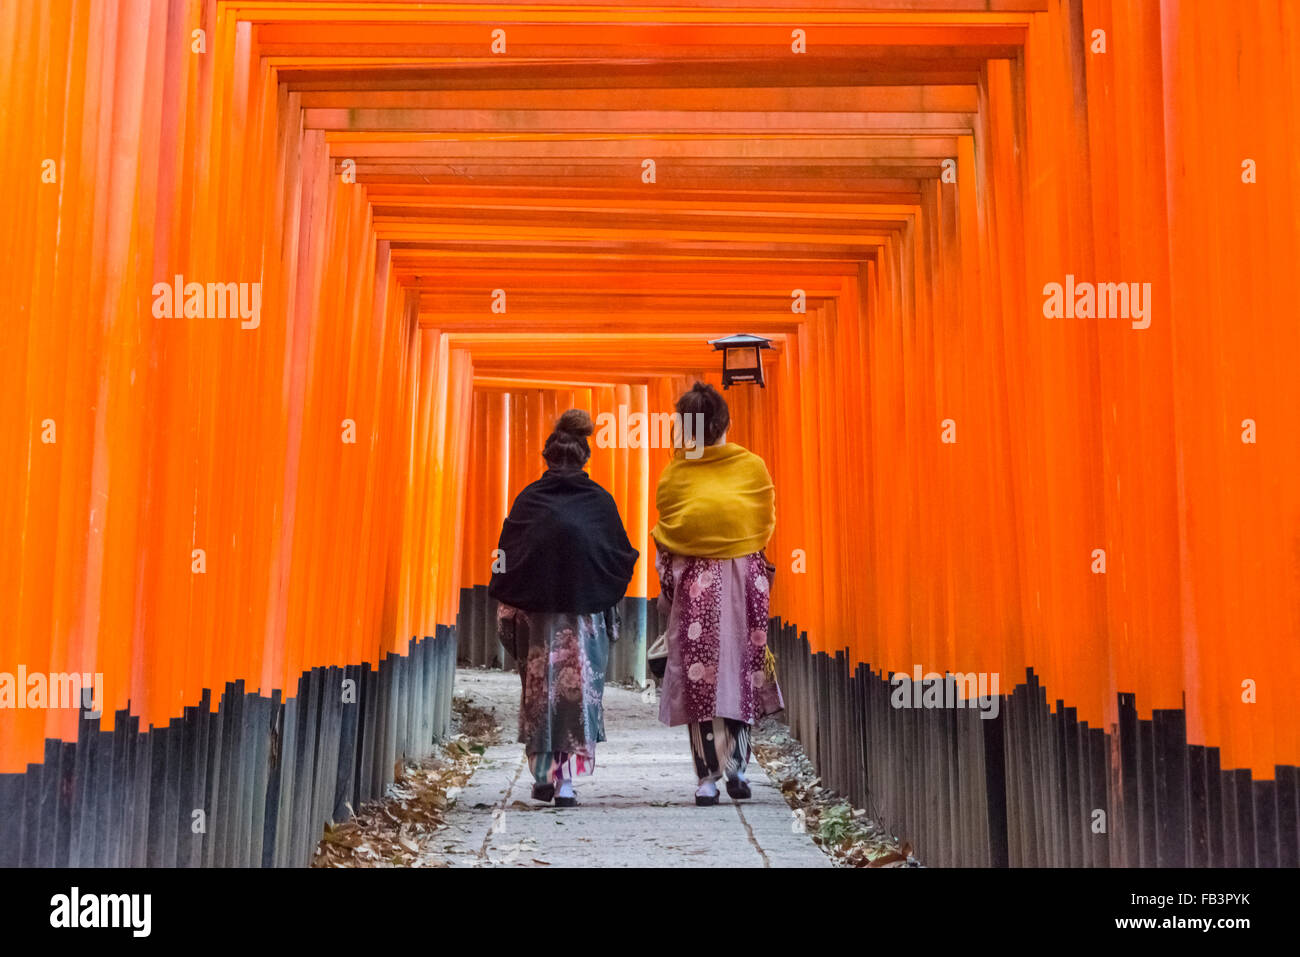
[(703, 399), (567, 447)]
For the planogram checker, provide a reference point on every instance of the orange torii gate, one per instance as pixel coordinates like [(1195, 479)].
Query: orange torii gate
[(456, 233)]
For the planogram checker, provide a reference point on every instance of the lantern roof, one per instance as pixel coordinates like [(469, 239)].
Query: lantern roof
[(741, 339)]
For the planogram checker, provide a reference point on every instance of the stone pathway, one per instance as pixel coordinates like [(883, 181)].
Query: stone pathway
[(638, 810)]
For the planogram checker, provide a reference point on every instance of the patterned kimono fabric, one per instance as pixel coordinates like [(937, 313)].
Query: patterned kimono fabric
[(720, 748), (561, 659), (716, 679)]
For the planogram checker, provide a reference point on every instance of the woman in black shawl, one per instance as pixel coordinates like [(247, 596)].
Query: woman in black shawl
[(565, 563)]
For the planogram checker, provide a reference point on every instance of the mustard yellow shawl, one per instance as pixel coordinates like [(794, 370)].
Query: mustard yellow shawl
[(720, 505)]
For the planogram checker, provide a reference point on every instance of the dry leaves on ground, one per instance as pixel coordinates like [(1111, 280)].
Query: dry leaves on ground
[(395, 831), (847, 835)]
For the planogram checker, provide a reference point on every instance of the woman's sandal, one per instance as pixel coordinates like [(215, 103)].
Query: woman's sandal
[(543, 792), (738, 790), (566, 802), (706, 800)]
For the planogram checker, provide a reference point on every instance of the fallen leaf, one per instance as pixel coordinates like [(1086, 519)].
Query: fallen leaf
[(886, 859)]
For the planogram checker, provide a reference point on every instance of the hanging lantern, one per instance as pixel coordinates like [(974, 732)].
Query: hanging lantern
[(742, 359)]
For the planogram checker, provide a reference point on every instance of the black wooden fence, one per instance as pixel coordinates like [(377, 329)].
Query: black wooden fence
[(250, 784), (1034, 786)]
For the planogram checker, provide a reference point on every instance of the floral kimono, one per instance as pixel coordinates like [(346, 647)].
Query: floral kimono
[(567, 565), (717, 612), (561, 659), (716, 515)]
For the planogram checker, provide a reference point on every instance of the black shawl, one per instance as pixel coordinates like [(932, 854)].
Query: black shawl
[(564, 548)]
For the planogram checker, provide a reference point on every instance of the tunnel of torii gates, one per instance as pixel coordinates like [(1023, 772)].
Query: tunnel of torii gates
[(268, 523)]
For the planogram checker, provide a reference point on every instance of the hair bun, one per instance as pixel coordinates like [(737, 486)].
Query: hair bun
[(575, 422)]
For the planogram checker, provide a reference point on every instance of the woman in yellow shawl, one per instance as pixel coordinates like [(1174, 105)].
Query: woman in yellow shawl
[(716, 514)]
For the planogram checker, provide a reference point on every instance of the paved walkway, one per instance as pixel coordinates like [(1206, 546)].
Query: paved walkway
[(638, 810)]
